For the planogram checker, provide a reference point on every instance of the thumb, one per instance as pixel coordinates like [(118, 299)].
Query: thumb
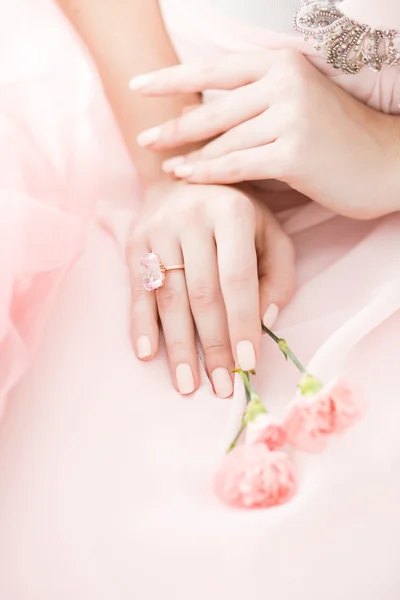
[(276, 268)]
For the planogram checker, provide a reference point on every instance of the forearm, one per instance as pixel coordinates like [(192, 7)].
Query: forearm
[(127, 38)]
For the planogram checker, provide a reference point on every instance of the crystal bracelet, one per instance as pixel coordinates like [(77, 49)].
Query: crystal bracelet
[(346, 44)]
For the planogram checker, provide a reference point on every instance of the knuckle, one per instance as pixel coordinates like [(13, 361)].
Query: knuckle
[(290, 83), (161, 222), (168, 298), (241, 208), (208, 173), (177, 348), (214, 347), (234, 206), (240, 277), (175, 129), (229, 169), (213, 119), (225, 144), (190, 212), (202, 296), (137, 292), (234, 168)]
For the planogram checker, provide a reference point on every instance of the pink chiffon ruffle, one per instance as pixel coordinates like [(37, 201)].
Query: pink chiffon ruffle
[(51, 109)]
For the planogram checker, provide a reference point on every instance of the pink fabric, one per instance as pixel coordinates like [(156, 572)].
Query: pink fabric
[(105, 471), (381, 15), (49, 153)]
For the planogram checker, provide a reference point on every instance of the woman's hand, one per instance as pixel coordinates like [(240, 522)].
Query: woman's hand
[(281, 120), (239, 265)]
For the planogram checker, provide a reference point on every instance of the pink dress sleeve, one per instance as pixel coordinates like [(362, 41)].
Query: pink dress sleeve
[(379, 14)]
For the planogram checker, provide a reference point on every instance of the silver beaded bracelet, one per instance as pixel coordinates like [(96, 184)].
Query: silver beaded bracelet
[(346, 44)]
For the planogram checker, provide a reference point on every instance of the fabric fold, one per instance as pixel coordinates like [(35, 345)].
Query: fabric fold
[(38, 244)]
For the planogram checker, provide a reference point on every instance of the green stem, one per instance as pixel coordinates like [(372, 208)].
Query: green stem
[(285, 349), (235, 441), (270, 333), (247, 384)]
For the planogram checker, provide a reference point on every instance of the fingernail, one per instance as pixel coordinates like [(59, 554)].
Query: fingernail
[(184, 171), (139, 82), (149, 136), (246, 355), (271, 315), (184, 378), (222, 382), (170, 164), (143, 347)]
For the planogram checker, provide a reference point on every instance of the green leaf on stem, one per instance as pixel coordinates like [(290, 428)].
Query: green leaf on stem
[(309, 385)]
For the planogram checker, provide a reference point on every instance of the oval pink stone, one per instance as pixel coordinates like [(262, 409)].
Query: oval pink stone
[(153, 276)]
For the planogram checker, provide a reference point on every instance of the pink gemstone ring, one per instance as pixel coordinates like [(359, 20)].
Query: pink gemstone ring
[(153, 271)]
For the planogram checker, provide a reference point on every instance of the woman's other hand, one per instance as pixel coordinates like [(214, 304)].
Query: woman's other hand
[(282, 119)]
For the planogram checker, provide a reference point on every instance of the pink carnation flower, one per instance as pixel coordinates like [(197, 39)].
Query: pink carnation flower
[(311, 420), (266, 430), (253, 477)]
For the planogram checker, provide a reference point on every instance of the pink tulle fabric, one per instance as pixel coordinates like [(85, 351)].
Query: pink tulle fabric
[(49, 166), (105, 471)]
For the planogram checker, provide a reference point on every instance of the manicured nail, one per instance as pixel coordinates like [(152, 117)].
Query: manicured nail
[(184, 171), (271, 315), (184, 378), (222, 381), (170, 164), (246, 355), (139, 82), (149, 136), (143, 347)]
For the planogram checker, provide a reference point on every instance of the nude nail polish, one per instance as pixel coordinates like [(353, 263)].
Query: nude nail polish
[(143, 346), (246, 356), (184, 378), (222, 381), (148, 137), (271, 315)]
